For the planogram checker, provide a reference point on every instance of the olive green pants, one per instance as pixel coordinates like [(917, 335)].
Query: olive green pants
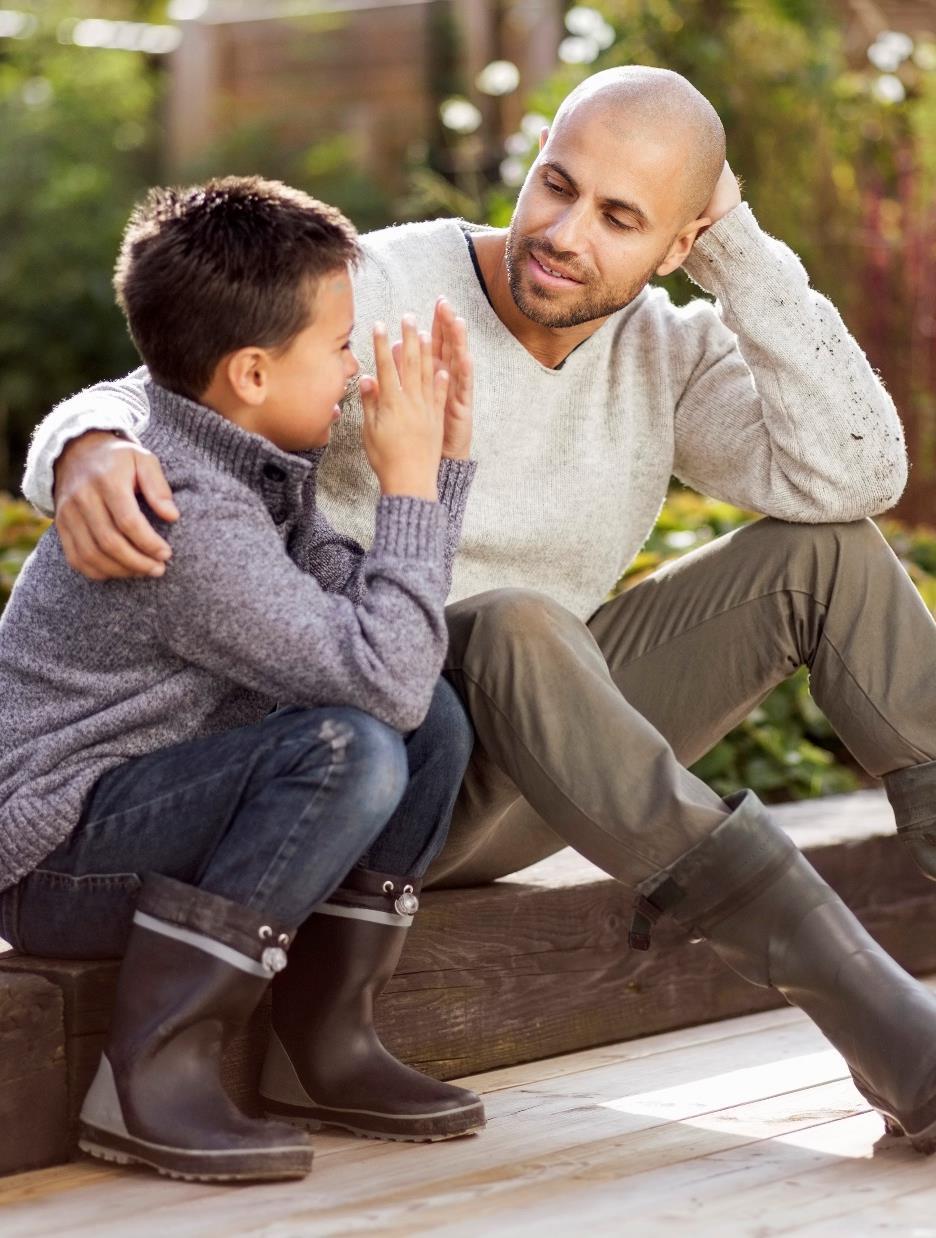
[(584, 730)]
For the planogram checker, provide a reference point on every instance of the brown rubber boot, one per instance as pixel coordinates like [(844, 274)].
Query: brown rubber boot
[(195, 968), (912, 795), (325, 1063), (767, 913)]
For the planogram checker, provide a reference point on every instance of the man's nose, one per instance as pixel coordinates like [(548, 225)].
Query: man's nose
[(568, 232)]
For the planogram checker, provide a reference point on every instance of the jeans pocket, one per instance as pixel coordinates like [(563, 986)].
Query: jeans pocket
[(65, 917)]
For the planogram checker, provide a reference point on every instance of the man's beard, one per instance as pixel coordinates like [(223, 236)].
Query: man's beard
[(537, 304)]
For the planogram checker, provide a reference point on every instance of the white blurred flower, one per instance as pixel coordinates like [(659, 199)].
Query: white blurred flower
[(500, 77), (460, 115), (37, 92), (517, 144), (512, 170), (14, 25), (186, 10), (577, 50), (531, 125), (583, 21), (889, 50), (888, 88)]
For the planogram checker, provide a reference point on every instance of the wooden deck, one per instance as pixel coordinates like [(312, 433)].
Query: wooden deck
[(748, 1127)]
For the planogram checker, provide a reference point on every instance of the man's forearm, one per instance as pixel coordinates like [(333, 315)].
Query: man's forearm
[(120, 405), (785, 416)]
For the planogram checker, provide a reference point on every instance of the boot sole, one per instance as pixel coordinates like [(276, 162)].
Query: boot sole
[(196, 1166), (421, 1129), (923, 1142)]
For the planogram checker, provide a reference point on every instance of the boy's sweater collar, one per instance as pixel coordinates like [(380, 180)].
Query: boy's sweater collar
[(249, 457)]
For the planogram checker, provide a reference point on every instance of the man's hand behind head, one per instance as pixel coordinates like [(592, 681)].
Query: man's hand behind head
[(104, 533)]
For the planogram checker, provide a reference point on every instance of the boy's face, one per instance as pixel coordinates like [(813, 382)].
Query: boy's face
[(306, 381)]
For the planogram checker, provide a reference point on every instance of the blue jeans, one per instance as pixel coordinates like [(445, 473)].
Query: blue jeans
[(271, 816)]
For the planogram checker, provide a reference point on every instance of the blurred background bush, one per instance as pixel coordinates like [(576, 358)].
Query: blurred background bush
[(407, 109)]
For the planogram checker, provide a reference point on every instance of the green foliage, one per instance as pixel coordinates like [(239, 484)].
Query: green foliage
[(786, 748), (77, 151), (20, 529)]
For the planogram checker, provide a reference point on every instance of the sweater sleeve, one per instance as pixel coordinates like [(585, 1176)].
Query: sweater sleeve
[(338, 562), (120, 405), (233, 602), (782, 413)]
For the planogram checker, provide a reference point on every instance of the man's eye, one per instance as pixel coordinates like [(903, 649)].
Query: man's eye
[(621, 227), (551, 185)]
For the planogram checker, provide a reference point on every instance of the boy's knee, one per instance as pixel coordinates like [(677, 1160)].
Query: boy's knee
[(378, 755)]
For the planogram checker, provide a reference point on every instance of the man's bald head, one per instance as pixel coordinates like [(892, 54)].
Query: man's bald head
[(635, 101)]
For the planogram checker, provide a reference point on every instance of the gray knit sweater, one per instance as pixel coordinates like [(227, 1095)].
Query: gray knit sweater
[(263, 603)]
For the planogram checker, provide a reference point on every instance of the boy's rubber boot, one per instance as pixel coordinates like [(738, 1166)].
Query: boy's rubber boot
[(325, 1062), (195, 968), (912, 794), (767, 913)]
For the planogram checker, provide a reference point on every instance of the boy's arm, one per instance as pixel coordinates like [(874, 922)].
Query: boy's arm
[(782, 413), (120, 405), (233, 602), (337, 562)]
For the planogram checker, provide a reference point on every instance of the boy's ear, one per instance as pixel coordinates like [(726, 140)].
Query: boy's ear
[(247, 372)]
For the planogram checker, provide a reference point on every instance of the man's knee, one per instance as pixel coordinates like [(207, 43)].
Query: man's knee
[(499, 617), (789, 538)]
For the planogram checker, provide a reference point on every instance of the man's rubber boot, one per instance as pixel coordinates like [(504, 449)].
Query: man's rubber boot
[(767, 913), (912, 794), (325, 1062), (195, 968)]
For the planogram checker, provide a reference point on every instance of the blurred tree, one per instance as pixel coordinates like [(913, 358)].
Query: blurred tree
[(78, 148)]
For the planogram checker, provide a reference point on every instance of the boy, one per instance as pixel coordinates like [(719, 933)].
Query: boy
[(152, 800)]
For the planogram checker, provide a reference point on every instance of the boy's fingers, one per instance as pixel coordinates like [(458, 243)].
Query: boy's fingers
[(411, 370), (387, 380), (397, 351), (438, 332), (428, 368), (369, 393), (440, 390)]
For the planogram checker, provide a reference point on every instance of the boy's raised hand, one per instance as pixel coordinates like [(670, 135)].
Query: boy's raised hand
[(404, 413), (450, 353)]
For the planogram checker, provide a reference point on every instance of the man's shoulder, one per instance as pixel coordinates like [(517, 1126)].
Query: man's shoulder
[(397, 250)]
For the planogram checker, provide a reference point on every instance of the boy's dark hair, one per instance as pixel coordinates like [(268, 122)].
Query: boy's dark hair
[(212, 268)]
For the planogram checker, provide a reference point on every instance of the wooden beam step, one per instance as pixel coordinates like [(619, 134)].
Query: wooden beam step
[(537, 964)]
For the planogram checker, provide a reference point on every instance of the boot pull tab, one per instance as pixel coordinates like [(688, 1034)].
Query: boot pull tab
[(406, 904), (273, 958), (647, 912)]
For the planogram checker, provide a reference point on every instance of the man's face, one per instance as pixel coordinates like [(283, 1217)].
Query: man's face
[(596, 217)]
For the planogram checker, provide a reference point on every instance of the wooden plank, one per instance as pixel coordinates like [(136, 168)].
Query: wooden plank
[(676, 1129), (32, 1074), (537, 965)]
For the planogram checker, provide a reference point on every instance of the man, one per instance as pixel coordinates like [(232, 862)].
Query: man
[(592, 390)]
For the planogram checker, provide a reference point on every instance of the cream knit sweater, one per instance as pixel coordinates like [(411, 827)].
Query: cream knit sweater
[(763, 400)]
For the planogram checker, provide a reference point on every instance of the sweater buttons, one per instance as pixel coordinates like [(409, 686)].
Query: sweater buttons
[(273, 472)]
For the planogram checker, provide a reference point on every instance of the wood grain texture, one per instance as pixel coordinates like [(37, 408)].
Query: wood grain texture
[(537, 964), (32, 1074)]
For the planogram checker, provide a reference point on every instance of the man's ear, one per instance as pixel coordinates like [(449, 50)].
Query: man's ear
[(247, 372), (682, 245), (544, 134)]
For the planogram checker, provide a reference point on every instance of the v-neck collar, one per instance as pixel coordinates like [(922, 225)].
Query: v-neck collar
[(466, 230)]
